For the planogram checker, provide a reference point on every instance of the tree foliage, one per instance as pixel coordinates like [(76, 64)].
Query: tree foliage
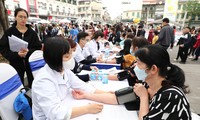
[(4, 23), (192, 7)]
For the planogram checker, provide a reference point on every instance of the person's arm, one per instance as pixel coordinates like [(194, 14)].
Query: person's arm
[(87, 109), (113, 77), (5, 49), (34, 44), (142, 93), (88, 61), (107, 97)]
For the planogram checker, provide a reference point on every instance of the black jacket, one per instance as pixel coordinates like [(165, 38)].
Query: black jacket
[(29, 36), (20, 64)]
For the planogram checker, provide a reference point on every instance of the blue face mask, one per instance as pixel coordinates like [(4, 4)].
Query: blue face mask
[(132, 53), (141, 74)]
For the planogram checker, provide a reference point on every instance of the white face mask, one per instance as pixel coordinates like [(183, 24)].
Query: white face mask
[(132, 53), (70, 64), (141, 74), (73, 54)]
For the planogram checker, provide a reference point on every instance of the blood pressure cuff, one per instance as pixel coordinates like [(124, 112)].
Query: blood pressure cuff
[(123, 75), (119, 59), (125, 95), (84, 78)]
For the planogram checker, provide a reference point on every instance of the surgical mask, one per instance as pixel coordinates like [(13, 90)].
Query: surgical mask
[(132, 53), (141, 74), (73, 54), (70, 64)]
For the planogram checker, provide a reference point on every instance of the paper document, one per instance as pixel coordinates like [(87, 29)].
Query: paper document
[(16, 44)]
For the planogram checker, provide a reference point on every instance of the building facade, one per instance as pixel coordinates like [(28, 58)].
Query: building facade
[(152, 10), (52, 10), (131, 10), (90, 10)]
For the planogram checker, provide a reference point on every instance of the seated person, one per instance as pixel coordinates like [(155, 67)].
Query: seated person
[(78, 67), (137, 43), (165, 98), (55, 82), (124, 57), (93, 48), (83, 38)]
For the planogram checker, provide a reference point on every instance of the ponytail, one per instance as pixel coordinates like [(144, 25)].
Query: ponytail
[(176, 77)]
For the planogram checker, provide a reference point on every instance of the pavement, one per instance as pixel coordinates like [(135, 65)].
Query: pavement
[(192, 73)]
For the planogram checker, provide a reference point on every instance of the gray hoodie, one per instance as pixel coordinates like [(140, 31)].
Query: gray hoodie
[(166, 36)]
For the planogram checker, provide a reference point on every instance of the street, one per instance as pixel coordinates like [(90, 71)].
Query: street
[(192, 73)]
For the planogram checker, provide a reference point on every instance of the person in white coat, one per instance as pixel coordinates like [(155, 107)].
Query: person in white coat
[(55, 84), (93, 46)]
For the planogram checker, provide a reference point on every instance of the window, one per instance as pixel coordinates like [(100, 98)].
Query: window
[(79, 9), (187, 16), (69, 1), (151, 8), (126, 14), (57, 9), (63, 9), (179, 7), (74, 2), (50, 7), (184, 5), (6, 6), (133, 14), (193, 18), (177, 17), (69, 10), (138, 14), (151, 15), (182, 15)]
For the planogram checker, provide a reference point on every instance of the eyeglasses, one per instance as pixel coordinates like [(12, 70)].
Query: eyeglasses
[(22, 17)]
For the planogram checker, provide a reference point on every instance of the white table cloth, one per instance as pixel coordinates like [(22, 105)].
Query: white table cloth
[(109, 112)]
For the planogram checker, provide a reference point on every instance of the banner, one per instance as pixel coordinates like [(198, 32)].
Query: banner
[(170, 9)]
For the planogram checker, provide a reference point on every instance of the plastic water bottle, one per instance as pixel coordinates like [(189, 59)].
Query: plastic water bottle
[(107, 53), (105, 78), (100, 75), (92, 75)]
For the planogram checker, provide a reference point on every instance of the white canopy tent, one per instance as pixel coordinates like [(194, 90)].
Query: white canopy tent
[(65, 21), (43, 21)]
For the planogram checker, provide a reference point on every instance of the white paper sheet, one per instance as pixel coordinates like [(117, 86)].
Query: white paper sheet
[(16, 44)]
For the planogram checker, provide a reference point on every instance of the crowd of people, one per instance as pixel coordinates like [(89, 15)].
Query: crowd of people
[(69, 48)]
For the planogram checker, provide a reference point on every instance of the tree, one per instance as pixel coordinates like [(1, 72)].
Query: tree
[(192, 8), (4, 23)]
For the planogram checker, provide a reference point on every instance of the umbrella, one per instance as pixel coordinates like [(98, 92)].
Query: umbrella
[(65, 21), (43, 21)]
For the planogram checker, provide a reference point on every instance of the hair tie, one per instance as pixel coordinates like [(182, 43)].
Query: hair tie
[(169, 67)]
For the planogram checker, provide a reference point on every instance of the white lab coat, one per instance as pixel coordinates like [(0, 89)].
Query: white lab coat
[(92, 49), (79, 55), (51, 91)]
